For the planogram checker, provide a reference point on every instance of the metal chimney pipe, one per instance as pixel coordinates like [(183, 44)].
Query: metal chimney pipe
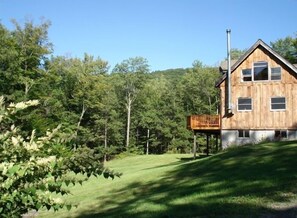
[(229, 108)]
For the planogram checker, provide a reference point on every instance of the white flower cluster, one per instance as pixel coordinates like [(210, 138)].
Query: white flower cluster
[(13, 107), (46, 160), (24, 104)]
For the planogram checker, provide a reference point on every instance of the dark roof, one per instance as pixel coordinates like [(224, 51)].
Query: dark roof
[(224, 66), (248, 52)]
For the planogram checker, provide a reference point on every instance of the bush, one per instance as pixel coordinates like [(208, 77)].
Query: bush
[(33, 168)]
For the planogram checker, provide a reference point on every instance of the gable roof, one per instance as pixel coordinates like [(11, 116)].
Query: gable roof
[(250, 51), (224, 65)]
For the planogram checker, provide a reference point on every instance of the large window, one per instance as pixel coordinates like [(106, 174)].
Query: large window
[(244, 104), (260, 71), (278, 103)]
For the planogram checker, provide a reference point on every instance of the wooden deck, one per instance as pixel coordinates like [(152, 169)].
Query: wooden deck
[(203, 122)]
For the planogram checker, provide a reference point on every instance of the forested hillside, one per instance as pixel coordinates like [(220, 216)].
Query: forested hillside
[(113, 110)]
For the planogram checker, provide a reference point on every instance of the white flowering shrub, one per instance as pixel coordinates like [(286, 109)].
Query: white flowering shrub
[(33, 168)]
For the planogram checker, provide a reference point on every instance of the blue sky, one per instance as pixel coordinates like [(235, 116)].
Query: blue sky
[(168, 33)]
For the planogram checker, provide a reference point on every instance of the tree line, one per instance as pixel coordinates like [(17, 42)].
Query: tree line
[(127, 108)]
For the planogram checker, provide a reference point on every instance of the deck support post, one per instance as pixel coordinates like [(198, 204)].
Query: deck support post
[(207, 144), (195, 145), (217, 142)]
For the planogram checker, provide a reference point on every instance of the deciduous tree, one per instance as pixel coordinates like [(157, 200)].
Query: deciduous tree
[(287, 48), (133, 72)]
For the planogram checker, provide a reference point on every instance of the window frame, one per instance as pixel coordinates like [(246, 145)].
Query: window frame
[(260, 65), (280, 73), (243, 133), (282, 134), (242, 110), (279, 109), (270, 70), (246, 76)]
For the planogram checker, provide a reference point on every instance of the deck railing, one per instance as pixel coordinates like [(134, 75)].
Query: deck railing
[(203, 122)]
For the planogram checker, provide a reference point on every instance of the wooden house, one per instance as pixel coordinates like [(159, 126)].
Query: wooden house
[(263, 97)]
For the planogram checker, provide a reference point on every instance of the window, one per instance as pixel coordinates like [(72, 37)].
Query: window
[(275, 73), (278, 134), (260, 71), (278, 103), (243, 133), (244, 104), (247, 75)]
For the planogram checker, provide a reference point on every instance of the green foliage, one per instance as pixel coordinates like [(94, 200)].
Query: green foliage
[(287, 48), (198, 91), (23, 54), (33, 168), (172, 75), (236, 53), (133, 72), (102, 111)]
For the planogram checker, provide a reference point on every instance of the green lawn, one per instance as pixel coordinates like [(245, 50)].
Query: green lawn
[(250, 181)]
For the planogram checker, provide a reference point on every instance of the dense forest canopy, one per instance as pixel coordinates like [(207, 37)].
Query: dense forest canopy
[(109, 109)]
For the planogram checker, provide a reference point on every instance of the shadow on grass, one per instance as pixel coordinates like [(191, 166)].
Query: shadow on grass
[(252, 181), (198, 157)]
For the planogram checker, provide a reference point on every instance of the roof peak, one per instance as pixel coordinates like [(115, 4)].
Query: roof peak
[(258, 43)]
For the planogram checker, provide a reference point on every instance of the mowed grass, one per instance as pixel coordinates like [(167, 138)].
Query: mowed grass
[(250, 181)]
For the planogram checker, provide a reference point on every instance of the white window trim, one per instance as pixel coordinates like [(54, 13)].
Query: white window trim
[(244, 131), (242, 76), (268, 67), (244, 98), (269, 73), (278, 109)]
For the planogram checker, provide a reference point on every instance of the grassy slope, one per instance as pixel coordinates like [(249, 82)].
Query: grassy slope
[(259, 180)]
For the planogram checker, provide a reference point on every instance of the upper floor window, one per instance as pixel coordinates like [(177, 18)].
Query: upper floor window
[(244, 104), (247, 75), (260, 71), (278, 103), (275, 73)]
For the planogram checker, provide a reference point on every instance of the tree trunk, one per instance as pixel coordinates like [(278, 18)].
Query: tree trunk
[(79, 122), (128, 105), (209, 101), (147, 141), (105, 142), (28, 85), (217, 105)]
